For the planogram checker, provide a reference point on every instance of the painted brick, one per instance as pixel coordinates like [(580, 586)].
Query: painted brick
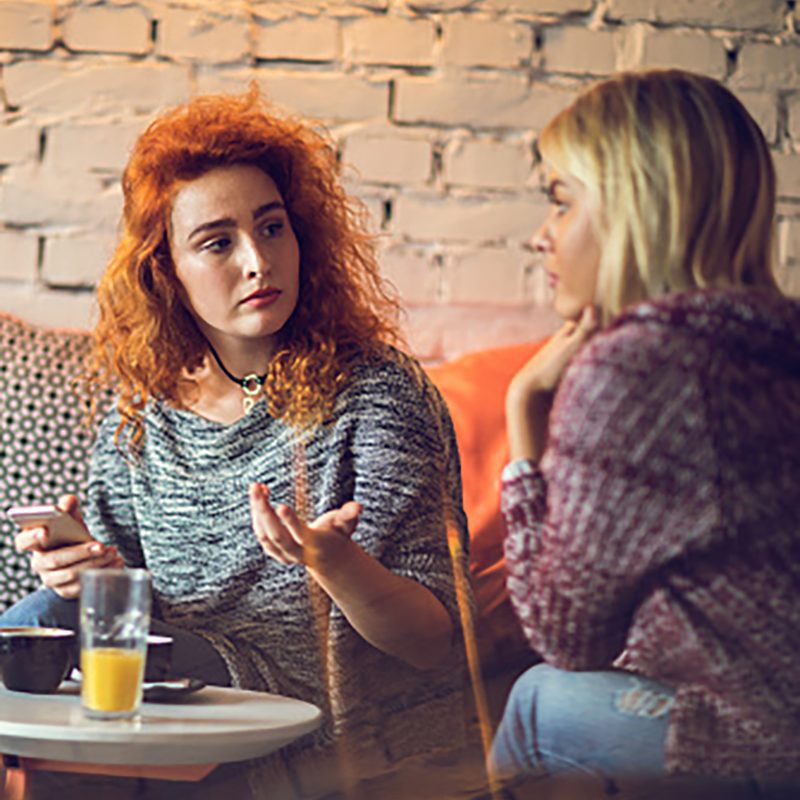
[(477, 102), (40, 306), (485, 163), (107, 30), (90, 147), (347, 7), (201, 35), (767, 66), (486, 276), (26, 26), (481, 42), (579, 50), (19, 253), (763, 107), (386, 157), (737, 14), (438, 5), (535, 7), (794, 116), (79, 89), (370, 205), (413, 272), (789, 240), (444, 332), (645, 46), (433, 218), (389, 40), (301, 39), (31, 195), (76, 260), (18, 143), (322, 95), (787, 167)]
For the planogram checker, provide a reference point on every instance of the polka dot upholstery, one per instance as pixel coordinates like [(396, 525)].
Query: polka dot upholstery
[(44, 437)]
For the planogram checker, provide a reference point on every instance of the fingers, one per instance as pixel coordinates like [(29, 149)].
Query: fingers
[(30, 539), (279, 531), (60, 569), (343, 520)]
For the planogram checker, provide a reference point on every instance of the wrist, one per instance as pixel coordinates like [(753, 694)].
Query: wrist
[(333, 562)]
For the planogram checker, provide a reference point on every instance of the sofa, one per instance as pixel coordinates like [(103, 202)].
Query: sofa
[(45, 442)]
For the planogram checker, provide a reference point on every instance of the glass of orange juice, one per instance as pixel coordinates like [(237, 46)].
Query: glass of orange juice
[(115, 618)]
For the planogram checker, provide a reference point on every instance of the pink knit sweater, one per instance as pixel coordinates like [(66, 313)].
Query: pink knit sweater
[(662, 532)]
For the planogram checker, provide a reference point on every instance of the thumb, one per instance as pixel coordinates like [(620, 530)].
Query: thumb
[(345, 518), (70, 504)]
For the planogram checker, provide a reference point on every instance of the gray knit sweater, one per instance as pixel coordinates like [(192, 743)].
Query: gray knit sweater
[(181, 510)]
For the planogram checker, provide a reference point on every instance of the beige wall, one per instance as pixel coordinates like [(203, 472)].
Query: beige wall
[(435, 105)]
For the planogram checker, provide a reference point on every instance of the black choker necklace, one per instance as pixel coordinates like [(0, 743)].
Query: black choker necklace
[(251, 384)]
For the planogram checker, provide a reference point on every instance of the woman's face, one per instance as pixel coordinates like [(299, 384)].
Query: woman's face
[(235, 254), (568, 244)]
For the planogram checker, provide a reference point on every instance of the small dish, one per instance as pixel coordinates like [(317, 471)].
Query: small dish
[(171, 689)]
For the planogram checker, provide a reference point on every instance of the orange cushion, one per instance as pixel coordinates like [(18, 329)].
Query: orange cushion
[(474, 388)]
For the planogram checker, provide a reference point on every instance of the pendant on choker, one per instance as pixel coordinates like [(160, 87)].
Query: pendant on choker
[(251, 384)]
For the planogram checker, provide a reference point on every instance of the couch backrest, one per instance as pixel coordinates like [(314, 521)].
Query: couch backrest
[(45, 446), (44, 439), (474, 388)]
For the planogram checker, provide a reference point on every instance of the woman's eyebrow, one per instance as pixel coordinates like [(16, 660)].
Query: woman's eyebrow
[(267, 207), (227, 221)]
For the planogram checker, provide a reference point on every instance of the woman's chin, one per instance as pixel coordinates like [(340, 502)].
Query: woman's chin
[(567, 309)]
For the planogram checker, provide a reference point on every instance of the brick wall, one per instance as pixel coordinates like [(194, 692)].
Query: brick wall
[(435, 105)]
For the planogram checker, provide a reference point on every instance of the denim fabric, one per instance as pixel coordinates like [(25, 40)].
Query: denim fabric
[(602, 723), (192, 656), (609, 728)]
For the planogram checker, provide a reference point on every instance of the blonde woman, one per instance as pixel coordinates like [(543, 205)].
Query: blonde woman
[(651, 500)]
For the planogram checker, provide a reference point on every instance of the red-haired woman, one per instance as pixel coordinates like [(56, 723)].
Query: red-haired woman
[(286, 474)]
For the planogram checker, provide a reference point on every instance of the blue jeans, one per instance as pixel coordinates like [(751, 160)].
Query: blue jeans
[(597, 723), (192, 655), (609, 727)]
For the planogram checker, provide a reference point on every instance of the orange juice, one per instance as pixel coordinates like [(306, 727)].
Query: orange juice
[(111, 679)]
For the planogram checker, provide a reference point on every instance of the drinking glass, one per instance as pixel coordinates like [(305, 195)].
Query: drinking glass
[(115, 618)]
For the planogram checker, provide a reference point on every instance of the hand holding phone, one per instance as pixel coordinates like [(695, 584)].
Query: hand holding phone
[(62, 528)]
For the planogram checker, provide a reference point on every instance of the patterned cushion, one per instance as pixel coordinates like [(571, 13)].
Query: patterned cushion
[(44, 437)]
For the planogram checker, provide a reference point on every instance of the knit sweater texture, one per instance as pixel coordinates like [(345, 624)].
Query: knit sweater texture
[(661, 533), (181, 510)]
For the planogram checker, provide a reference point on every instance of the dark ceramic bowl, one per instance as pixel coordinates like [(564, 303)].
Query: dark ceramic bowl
[(35, 659), (159, 658)]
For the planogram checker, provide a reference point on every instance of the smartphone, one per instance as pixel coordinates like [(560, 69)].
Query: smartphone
[(62, 528)]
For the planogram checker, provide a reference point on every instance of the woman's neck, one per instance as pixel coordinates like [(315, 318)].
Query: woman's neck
[(220, 391)]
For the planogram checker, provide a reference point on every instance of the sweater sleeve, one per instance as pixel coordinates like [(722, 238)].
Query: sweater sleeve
[(109, 512), (407, 476), (628, 484)]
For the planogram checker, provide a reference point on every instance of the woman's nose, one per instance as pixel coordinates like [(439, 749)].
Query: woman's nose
[(541, 241), (252, 259)]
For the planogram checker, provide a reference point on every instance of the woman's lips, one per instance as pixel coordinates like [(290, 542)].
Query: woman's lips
[(552, 280), (261, 298)]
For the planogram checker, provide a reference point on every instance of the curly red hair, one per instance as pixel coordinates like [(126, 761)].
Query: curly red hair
[(146, 340)]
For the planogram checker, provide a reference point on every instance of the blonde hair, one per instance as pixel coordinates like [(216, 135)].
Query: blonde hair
[(682, 179)]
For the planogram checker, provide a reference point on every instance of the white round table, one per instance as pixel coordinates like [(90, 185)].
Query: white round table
[(212, 725)]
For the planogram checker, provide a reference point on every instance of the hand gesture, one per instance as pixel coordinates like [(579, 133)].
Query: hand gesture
[(60, 568), (320, 545), (531, 390)]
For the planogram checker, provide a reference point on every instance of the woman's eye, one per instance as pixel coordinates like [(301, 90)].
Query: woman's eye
[(272, 228), (218, 245)]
